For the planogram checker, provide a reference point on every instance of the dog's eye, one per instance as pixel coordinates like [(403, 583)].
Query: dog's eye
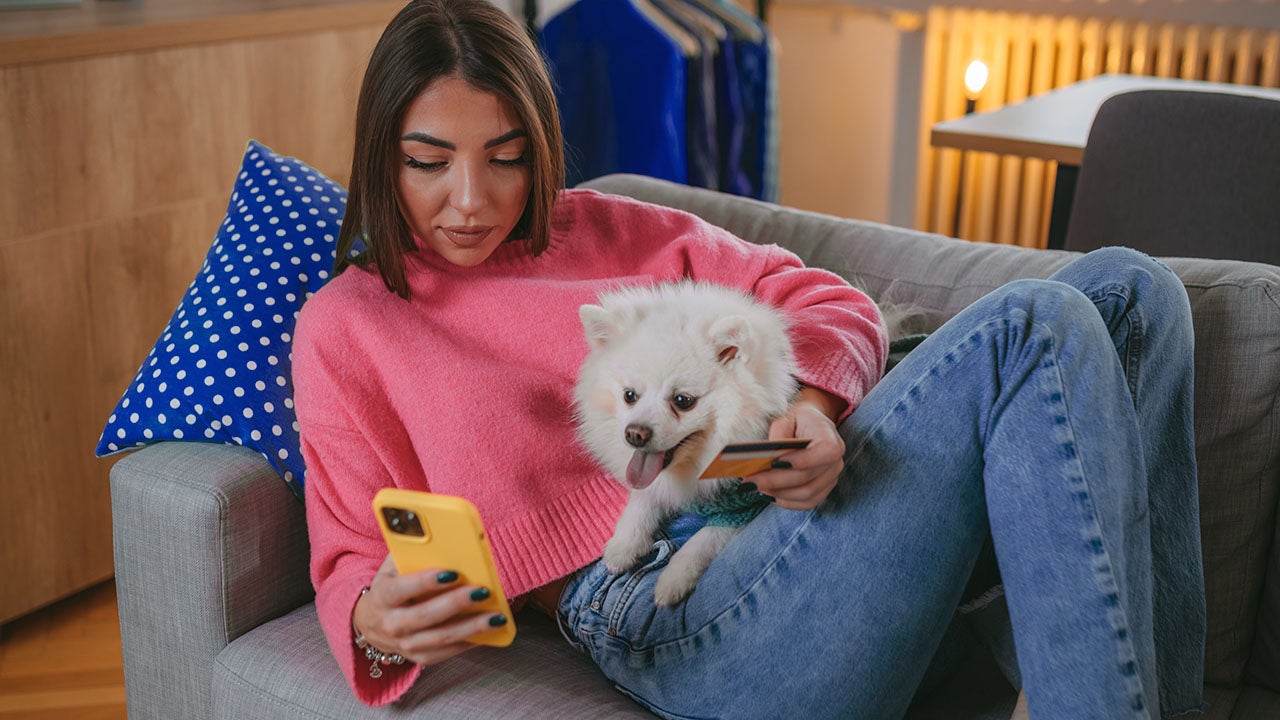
[(684, 402), (629, 396)]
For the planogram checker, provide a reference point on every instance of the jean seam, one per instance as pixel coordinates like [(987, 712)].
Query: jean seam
[(1136, 333), (1124, 645), (613, 619), (624, 596), (562, 621)]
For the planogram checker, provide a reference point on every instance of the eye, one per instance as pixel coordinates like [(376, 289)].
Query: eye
[(629, 396), (417, 164), (521, 161), (684, 402)]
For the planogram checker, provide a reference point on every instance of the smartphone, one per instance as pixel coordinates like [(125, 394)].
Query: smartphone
[(426, 530)]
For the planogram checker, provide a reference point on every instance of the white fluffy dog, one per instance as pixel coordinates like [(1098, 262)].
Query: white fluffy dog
[(675, 372)]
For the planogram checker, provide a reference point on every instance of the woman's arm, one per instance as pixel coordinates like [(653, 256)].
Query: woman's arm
[(837, 332), (351, 451)]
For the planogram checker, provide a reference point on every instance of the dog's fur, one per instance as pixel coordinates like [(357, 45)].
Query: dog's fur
[(651, 351)]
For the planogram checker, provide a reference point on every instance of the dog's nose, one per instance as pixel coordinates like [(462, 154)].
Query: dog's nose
[(638, 435)]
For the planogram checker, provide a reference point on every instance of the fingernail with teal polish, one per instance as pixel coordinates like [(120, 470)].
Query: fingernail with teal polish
[(480, 594), (497, 621), (769, 498), (748, 487), (446, 577), (780, 465)]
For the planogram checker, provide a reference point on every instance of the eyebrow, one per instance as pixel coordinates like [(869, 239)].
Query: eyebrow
[(430, 140)]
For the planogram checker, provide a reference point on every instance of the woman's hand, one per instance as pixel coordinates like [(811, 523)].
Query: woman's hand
[(815, 469), (425, 617)]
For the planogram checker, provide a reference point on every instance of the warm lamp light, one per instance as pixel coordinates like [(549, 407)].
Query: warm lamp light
[(975, 78)]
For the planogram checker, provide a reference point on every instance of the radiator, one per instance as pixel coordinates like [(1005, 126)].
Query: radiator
[(1007, 199)]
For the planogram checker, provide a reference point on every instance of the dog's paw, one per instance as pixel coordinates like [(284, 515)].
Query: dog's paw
[(623, 553), (675, 583)]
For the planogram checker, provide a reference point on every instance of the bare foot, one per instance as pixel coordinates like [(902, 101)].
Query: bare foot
[(1020, 710)]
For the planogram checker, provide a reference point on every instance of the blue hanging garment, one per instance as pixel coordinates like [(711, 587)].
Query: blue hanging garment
[(748, 140), (753, 73), (773, 141), (620, 83), (700, 93)]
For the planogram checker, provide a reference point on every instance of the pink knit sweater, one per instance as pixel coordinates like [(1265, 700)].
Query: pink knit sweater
[(467, 389)]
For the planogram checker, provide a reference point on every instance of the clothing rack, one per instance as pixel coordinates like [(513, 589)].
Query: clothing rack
[(530, 12), (681, 90)]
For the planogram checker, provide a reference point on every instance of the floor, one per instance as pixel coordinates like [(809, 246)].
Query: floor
[(64, 661)]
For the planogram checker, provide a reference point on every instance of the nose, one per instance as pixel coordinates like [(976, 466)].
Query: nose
[(469, 193), (638, 435)]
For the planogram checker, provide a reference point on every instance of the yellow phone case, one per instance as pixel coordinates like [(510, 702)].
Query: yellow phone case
[(443, 531)]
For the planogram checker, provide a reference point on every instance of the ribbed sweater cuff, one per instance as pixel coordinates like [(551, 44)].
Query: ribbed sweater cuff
[(395, 680)]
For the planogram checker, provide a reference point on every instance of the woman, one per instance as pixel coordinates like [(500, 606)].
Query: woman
[(1053, 417)]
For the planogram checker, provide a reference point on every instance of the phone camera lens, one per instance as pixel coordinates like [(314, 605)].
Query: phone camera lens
[(403, 522)]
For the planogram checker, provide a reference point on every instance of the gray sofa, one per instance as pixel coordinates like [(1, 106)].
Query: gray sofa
[(211, 547)]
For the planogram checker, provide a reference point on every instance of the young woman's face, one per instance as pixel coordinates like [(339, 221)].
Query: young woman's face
[(464, 176)]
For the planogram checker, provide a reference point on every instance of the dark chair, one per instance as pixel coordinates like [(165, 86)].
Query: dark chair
[(1181, 173)]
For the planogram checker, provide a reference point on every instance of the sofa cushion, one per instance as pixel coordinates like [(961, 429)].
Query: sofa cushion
[(220, 371), (930, 278), (1253, 702), (283, 670), (1236, 310)]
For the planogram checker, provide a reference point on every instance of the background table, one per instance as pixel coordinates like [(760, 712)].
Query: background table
[(1055, 126)]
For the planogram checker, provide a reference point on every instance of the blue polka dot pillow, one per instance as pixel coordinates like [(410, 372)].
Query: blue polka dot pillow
[(220, 371)]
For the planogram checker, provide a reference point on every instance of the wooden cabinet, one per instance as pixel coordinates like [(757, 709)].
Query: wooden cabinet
[(122, 125)]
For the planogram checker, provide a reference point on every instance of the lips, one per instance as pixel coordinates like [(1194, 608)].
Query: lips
[(467, 236)]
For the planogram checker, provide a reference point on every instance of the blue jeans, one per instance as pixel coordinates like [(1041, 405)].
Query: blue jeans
[(1051, 418)]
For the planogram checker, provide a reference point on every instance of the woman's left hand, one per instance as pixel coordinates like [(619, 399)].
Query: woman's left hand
[(815, 469)]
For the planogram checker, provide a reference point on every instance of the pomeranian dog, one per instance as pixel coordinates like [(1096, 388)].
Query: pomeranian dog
[(675, 372)]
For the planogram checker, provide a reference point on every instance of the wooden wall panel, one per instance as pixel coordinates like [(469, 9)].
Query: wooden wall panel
[(82, 308), (312, 98), (142, 130), (837, 79), (114, 175), (54, 511)]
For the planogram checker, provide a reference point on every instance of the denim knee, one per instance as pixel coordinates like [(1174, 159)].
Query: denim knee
[(1047, 302), (1128, 286), (1109, 268)]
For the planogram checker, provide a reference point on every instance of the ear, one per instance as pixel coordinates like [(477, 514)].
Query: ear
[(598, 325), (731, 338)]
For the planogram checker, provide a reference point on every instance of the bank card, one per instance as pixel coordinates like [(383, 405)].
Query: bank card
[(742, 459)]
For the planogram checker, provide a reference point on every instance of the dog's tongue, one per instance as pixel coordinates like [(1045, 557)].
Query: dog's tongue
[(643, 468)]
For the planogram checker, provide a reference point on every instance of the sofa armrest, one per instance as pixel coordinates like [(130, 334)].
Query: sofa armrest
[(209, 543)]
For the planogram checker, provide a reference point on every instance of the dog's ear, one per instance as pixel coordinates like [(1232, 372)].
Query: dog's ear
[(598, 325), (731, 338)]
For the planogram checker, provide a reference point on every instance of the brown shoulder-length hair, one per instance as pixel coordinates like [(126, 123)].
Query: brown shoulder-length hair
[(472, 40)]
